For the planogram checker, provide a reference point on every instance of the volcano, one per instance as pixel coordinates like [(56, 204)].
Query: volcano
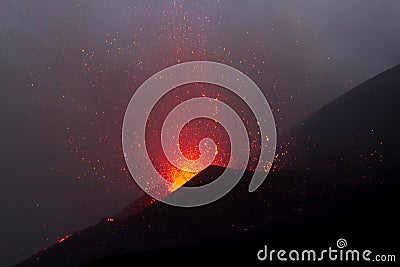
[(337, 180)]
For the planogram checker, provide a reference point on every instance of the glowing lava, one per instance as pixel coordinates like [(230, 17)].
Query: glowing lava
[(62, 239), (194, 132)]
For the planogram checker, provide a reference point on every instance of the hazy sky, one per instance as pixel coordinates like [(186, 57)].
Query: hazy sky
[(68, 69)]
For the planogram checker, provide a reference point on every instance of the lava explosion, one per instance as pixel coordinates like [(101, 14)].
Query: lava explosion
[(135, 141), (180, 32), (198, 129)]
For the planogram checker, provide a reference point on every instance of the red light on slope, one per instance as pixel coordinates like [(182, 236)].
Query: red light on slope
[(62, 239)]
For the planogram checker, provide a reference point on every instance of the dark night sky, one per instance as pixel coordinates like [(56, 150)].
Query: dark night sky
[(69, 68)]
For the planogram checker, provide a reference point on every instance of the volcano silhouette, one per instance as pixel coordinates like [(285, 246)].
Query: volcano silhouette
[(338, 180)]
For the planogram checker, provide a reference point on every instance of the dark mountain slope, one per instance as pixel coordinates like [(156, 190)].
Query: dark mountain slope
[(362, 123)]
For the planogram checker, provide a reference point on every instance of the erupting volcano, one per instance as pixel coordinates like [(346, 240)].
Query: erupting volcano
[(226, 127), (240, 144), (196, 130)]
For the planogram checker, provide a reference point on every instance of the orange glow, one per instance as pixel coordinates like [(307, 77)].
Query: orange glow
[(175, 176), (179, 178), (192, 134), (62, 239)]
